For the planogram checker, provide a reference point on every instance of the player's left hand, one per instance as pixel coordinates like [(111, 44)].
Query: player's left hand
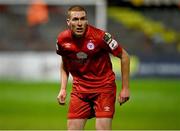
[(124, 96)]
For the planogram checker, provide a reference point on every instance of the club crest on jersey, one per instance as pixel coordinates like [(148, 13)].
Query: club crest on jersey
[(90, 46), (81, 55)]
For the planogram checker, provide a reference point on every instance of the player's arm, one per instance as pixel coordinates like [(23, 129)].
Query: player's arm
[(115, 49), (64, 80), (125, 69)]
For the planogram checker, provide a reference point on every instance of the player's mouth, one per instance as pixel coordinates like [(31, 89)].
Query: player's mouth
[(79, 30)]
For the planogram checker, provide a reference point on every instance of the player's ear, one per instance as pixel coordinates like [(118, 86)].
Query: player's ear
[(68, 23)]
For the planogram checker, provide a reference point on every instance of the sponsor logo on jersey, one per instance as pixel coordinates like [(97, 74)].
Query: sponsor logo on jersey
[(81, 55), (90, 46)]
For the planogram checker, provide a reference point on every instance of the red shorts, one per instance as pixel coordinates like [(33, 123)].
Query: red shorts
[(88, 105)]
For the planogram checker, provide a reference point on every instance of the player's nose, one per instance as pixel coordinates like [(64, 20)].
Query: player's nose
[(79, 23)]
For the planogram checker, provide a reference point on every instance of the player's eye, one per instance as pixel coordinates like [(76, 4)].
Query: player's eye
[(75, 19), (83, 18)]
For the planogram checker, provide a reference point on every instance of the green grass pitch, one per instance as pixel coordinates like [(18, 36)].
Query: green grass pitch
[(154, 104)]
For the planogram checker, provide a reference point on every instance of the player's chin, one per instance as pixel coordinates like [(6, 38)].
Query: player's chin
[(79, 34)]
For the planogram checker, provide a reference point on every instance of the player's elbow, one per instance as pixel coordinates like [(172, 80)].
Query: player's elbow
[(125, 57)]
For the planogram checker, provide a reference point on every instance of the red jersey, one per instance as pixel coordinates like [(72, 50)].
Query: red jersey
[(88, 60)]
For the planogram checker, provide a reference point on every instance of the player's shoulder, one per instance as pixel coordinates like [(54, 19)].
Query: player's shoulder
[(95, 32), (64, 35)]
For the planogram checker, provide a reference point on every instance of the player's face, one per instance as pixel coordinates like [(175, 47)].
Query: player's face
[(77, 22)]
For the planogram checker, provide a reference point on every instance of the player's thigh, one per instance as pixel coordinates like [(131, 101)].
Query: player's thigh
[(78, 108), (103, 123), (76, 124), (105, 104)]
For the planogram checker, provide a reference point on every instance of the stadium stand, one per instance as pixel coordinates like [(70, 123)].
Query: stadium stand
[(151, 34), (18, 36)]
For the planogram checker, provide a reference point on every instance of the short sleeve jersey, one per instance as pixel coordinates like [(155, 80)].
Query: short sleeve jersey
[(88, 60)]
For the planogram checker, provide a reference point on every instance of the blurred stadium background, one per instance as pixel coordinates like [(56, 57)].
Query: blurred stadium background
[(29, 71)]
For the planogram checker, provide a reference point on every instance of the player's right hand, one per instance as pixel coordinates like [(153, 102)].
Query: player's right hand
[(62, 97)]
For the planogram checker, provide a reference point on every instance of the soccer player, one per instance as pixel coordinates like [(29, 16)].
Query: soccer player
[(85, 54)]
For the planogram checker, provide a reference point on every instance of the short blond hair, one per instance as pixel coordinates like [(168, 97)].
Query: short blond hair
[(75, 8)]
